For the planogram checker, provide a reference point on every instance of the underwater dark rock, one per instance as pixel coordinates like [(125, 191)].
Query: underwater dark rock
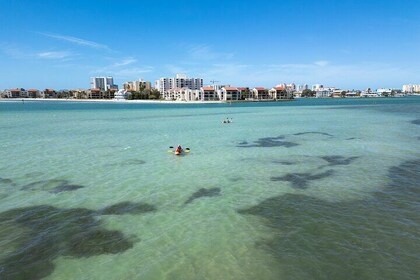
[(127, 208), (355, 239), (284, 162), (66, 188), (313, 132), (45, 232), (203, 193), (301, 180), (338, 160), (52, 186), (406, 175), (97, 242), (5, 181), (417, 122), (44, 185), (236, 179), (269, 142)]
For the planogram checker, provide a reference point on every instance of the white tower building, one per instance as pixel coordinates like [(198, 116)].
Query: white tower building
[(179, 81), (102, 83)]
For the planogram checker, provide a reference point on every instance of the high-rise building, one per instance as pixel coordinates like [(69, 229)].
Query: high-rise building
[(291, 87), (300, 88), (179, 81), (407, 88), (317, 87), (411, 88), (138, 85), (102, 83)]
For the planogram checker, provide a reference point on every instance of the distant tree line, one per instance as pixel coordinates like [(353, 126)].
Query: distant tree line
[(308, 93), (144, 94)]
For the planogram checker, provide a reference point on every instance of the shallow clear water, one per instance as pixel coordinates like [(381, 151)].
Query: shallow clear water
[(308, 189)]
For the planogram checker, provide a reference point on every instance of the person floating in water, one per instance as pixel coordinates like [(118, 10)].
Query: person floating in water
[(179, 149)]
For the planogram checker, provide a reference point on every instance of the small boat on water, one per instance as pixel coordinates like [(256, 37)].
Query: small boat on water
[(178, 152)]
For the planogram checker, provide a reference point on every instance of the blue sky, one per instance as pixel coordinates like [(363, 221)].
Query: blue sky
[(347, 43)]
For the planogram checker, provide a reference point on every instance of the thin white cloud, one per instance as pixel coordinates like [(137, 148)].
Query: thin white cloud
[(75, 40), (17, 52), (205, 52), (120, 70), (322, 63), (116, 65), (53, 55), (125, 62)]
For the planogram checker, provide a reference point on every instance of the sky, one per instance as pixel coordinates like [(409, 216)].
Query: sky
[(348, 44)]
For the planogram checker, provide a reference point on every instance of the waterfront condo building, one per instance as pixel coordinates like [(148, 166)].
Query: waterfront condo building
[(179, 81), (138, 85), (260, 93), (102, 83), (229, 94), (181, 94), (301, 88), (411, 88)]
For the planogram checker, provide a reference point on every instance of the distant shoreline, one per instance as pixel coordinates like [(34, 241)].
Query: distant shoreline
[(152, 101), (133, 101), (106, 100)]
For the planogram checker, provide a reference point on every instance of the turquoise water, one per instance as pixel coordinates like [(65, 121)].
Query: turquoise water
[(308, 189)]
